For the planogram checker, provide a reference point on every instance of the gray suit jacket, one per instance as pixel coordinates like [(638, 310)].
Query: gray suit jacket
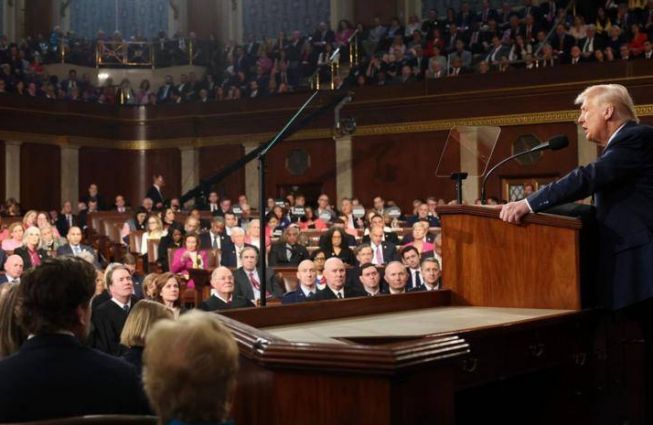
[(243, 287)]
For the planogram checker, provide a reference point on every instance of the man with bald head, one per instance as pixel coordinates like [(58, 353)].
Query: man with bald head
[(13, 269), (396, 277), (306, 288), (222, 292), (334, 273)]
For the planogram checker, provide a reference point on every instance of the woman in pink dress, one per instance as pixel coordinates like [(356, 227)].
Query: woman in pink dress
[(189, 257), (419, 238)]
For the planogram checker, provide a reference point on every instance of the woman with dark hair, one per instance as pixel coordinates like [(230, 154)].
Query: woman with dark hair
[(310, 221), (168, 292), (174, 239), (319, 258), (137, 222), (334, 246)]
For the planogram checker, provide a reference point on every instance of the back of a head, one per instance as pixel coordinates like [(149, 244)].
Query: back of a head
[(611, 94), (140, 320), (194, 380), (51, 293), (11, 334)]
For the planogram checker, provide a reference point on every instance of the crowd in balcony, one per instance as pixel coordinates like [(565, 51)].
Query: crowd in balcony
[(463, 41)]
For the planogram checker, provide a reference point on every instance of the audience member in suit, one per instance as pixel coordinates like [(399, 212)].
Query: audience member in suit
[(155, 192), (621, 180), (411, 259), (431, 276), (93, 195), (164, 94), (120, 205), (129, 261), (222, 295), (215, 238), (191, 256), (306, 287), (364, 255), (53, 367), (67, 219), (74, 247), (334, 272), (174, 239), (333, 244), (562, 42), (213, 203), (231, 255), (370, 279), (287, 252), (248, 281), (423, 215), (396, 277), (389, 235), (109, 318), (3, 258), (139, 322), (82, 218), (382, 252), (178, 390), (30, 252), (590, 43), (13, 269)]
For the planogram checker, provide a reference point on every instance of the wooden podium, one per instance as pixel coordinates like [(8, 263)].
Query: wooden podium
[(506, 333)]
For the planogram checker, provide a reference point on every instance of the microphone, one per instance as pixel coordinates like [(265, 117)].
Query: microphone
[(555, 143)]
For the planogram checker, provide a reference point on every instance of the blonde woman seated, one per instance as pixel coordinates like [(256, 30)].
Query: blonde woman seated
[(138, 324), (204, 394), (189, 257), (29, 219), (167, 292), (30, 251), (154, 231), (420, 229), (15, 239)]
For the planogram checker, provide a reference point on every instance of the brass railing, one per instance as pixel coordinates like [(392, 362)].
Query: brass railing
[(333, 64)]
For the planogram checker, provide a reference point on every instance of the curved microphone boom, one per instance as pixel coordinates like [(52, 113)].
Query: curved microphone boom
[(555, 143)]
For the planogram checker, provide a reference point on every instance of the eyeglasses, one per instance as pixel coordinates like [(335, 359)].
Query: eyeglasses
[(319, 259)]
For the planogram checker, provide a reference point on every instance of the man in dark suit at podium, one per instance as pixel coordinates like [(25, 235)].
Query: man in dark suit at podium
[(621, 180)]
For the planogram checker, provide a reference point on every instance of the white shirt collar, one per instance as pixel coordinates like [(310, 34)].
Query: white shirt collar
[(616, 132), (121, 305), (215, 293), (307, 292)]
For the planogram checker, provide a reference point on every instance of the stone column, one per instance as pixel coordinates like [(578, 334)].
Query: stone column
[(251, 176), (190, 167), (70, 174), (12, 169), (344, 175), (341, 9), (231, 20)]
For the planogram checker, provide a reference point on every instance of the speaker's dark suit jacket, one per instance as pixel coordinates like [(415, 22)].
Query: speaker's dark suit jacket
[(327, 294), (24, 254), (296, 296), (243, 287), (621, 180), (54, 376), (206, 241), (278, 255), (107, 321), (214, 303)]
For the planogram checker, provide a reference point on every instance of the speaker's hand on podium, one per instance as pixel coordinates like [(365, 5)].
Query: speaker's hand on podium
[(513, 212)]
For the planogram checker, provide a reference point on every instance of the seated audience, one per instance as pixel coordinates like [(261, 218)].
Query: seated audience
[(15, 238), (137, 222), (370, 279), (13, 269), (49, 241), (231, 255), (222, 293), (383, 252), (154, 232), (396, 277), (168, 291), (248, 281), (53, 367), (311, 221), (138, 324), (216, 238), (306, 284), (420, 229), (287, 252), (30, 252), (410, 258), (333, 244), (109, 317), (189, 257), (67, 219), (74, 247), (431, 275), (334, 272), (319, 258), (173, 240), (183, 394)]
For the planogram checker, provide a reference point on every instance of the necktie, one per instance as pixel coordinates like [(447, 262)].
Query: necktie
[(288, 252), (255, 282), (215, 242), (379, 255), (76, 250), (339, 295), (126, 308), (418, 281), (70, 220)]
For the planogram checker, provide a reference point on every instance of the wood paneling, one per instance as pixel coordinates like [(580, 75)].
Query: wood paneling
[(202, 16), (38, 17), (40, 176), (214, 159), (320, 176), (366, 10), (129, 172), (400, 167)]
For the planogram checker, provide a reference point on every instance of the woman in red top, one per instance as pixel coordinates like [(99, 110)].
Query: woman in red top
[(636, 44)]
